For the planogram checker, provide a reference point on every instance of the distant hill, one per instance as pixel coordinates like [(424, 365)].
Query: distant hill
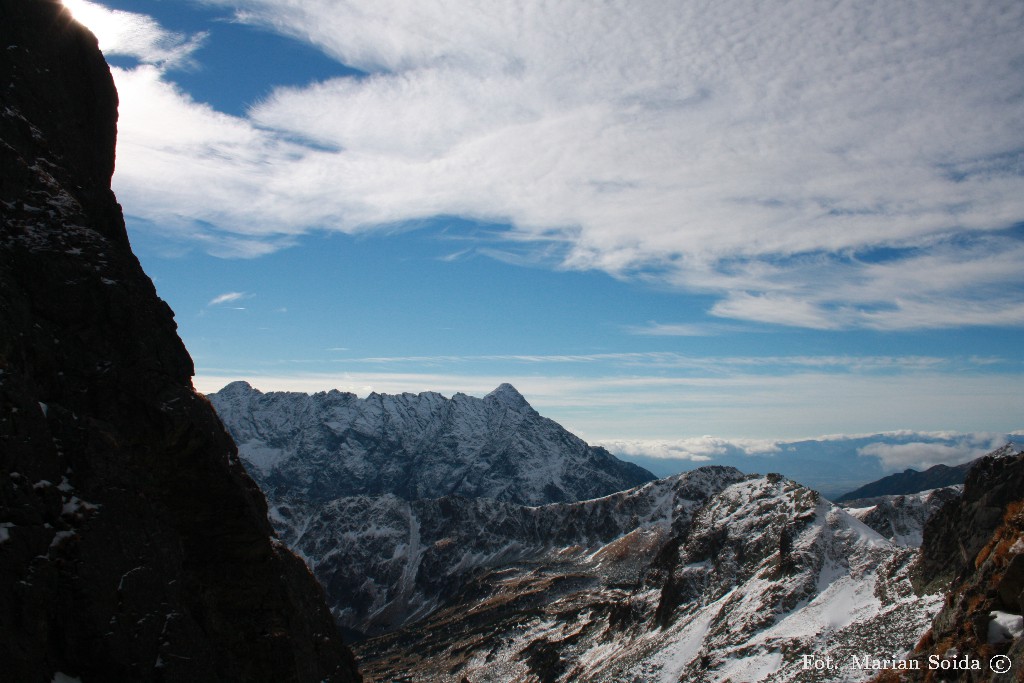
[(911, 481)]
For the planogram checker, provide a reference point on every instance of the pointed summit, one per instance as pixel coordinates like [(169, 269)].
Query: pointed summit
[(238, 388), (508, 395)]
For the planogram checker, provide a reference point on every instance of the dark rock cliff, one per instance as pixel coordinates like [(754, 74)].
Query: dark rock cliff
[(955, 534), (974, 548), (133, 546)]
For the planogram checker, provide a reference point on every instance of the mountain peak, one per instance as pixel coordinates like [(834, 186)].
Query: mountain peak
[(508, 395), (238, 388), (1011, 449)]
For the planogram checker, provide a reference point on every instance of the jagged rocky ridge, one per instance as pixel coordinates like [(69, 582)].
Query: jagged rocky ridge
[(133, 546), (333, 444), (387, 561), (974, 550), (747, 578)]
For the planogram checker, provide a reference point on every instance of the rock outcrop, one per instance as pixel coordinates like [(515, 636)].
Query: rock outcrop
[(133, 546), (974, 549), (959, 530), (902, 518)]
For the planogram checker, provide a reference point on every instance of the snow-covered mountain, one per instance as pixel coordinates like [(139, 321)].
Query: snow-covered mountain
[(901, 518), (464, 538), (328, 445), (740, 586), (386, 562)]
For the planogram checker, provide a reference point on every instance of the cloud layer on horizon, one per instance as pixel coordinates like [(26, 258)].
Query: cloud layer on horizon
[(731, 400), (951, 450), (861, 167), (894, 450)]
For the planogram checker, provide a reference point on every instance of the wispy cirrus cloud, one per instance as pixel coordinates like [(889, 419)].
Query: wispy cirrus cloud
[(227, 298), (855, 166), (717, 365), (655, 329)]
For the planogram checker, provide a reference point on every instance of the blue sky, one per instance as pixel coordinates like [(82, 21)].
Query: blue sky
[(757, 221)]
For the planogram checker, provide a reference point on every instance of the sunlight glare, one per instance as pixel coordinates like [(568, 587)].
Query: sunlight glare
[(105, 24)]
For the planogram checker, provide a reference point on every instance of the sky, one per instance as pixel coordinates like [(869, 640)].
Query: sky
[(670, 225)]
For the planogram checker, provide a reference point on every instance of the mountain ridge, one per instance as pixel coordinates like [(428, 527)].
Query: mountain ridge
[(750, 574), (332, 444), (701, 576), (902, 517), (386, 561), (911, 481)]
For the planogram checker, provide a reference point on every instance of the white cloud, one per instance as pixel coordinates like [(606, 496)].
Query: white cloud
[(199, 174), (227, 297), (696, 449), (950, 283), (136, 35), (655, 329), (763, 152), (921, 455)]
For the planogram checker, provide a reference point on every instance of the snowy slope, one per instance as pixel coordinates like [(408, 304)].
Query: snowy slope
[(737, 588), (385, 561), (329, 445), (425, 520), (901, 518)]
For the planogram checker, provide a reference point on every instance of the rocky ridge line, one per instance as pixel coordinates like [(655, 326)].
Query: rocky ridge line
[(315, 448), (973, 550)]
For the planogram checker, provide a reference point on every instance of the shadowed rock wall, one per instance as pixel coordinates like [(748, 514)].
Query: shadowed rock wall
[(133, 546)]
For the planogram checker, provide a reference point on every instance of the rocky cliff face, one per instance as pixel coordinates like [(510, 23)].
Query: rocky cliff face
[(328, 445), (974, 549), (133, 547), (958, 531)]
